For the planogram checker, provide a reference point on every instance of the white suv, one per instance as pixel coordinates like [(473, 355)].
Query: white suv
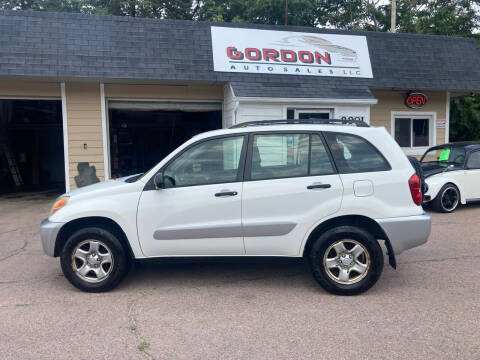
[(324, 192)]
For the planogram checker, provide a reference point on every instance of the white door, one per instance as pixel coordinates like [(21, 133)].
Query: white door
[(472, 177), (286, 191), (198, 212)]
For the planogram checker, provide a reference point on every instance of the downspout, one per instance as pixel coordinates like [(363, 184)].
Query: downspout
[(235, 112), (235, 109)]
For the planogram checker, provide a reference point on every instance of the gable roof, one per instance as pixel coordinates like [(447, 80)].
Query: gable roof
[(67, 46)]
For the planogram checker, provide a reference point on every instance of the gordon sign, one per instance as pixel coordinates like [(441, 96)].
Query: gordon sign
[(294, 53), (415, 100)]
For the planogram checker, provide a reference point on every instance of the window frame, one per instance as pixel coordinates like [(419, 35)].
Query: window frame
[(298, 111), (248, 160), (365, 140), (432, 136), (241, 165)]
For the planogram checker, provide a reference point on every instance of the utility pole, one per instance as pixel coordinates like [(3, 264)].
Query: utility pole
[(393, 20), (286, 12)]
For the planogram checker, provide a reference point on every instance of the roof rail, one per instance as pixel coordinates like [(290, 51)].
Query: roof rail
[(358, 123)]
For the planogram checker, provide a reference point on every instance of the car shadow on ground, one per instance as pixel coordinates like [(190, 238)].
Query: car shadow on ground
[(460, 209), (31, 196), (219, 273), (471, 206), (293, 274)]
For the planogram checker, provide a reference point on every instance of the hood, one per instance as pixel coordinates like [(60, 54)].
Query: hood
[(103, 185), (434, 169)]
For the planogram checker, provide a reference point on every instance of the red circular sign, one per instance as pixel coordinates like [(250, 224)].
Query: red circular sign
[(416, 100)]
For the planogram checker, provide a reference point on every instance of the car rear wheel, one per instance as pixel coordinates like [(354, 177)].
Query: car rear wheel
[(346, 260), (94, 260), (447, 200)]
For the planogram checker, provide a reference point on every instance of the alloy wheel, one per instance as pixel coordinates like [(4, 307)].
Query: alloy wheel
[(449, 199), (92, 261), (346, 261)]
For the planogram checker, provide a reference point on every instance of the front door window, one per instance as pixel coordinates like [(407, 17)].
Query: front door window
[(210, 162)]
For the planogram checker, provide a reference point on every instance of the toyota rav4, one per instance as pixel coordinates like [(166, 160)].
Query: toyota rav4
[(319, 190)]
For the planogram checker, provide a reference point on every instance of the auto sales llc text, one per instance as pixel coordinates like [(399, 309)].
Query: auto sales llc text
[(295, 69)]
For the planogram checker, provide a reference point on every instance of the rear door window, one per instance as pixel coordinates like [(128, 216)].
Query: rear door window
[(320, 163), (287, 155), (279, 156), (354, 154)]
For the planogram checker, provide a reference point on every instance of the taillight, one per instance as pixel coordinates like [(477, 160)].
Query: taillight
[(415, 189)]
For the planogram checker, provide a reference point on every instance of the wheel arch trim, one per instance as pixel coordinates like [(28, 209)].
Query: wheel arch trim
[(71, 226), (361, 221)]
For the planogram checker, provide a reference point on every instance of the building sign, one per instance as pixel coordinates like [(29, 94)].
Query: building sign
[(415, 100), (293, 53), (441, 123)]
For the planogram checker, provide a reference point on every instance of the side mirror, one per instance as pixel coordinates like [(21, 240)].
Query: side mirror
[(158, 181)]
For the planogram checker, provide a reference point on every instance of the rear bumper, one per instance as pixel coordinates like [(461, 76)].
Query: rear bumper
[(48, 233), (406, 232)]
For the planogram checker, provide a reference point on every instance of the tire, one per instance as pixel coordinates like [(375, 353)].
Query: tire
[(441, 204), (86, 262), (325, 251)]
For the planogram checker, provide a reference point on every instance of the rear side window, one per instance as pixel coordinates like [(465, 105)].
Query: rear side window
[(354, 154), (474, 160)]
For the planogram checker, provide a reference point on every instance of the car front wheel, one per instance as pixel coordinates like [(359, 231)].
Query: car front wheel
[(94, 260), (346, 260)]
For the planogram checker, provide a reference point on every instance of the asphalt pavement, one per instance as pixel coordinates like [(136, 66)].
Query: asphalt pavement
[(428, 308)]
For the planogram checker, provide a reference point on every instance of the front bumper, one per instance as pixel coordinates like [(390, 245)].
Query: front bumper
[(406, 232), (48, 233)]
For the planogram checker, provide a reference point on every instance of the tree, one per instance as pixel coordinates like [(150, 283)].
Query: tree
[(352, 14), (272, 12), (46, 5), (465, 118)]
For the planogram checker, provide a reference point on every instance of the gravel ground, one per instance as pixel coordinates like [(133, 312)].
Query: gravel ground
[(427, 309)]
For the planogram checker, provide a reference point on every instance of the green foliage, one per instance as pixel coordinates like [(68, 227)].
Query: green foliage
[(353, 14), (445, 17), (465, 118), (46, 5), (301, 12)]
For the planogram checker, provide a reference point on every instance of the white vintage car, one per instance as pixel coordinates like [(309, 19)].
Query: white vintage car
[(452, 175)]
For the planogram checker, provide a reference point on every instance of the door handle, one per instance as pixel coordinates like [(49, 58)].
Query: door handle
[(319, 186), (226, 193)]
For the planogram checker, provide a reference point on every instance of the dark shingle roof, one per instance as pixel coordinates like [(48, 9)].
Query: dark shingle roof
[(110, 48)]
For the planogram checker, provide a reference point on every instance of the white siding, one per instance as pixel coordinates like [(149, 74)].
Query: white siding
[(258, 111), (253, 111), (357, 112)]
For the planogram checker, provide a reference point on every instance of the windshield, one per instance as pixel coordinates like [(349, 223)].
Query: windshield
[(445, 156)]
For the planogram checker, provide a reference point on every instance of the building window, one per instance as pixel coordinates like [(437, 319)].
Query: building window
[(413, 131), (309, 114), (313, 114)]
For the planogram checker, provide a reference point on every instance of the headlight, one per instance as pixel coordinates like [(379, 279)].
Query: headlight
[(59, 203)]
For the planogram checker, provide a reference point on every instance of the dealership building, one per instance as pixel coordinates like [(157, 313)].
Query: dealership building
[(85, 98)]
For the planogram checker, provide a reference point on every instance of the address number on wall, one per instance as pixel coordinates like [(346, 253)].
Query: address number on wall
[(354, 118)]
